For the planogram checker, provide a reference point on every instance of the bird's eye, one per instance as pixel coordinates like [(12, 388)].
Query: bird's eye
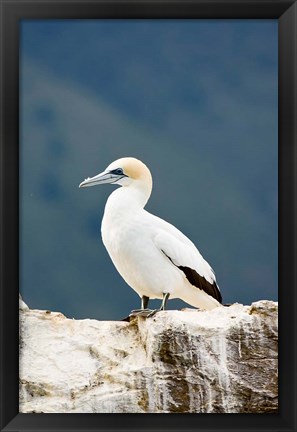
[(117, 171)]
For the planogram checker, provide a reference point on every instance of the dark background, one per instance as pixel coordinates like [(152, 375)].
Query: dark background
[(196, 100)]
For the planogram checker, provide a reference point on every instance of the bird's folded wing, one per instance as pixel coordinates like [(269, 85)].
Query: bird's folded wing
[(187, 258)]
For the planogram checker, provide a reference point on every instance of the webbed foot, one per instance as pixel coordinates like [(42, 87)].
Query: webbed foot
[(140, 312), (153, 312)]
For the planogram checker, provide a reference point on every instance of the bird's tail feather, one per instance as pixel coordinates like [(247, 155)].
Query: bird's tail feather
[(198, 298)]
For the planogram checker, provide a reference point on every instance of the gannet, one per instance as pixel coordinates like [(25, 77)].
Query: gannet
[(155, 259)]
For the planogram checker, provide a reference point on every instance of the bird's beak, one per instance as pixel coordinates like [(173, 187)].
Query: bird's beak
[(104, 177)]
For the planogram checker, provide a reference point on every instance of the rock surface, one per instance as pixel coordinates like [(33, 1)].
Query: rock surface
[(219, 361)]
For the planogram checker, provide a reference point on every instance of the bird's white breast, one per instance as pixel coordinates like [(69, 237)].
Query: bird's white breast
[(129, 242)]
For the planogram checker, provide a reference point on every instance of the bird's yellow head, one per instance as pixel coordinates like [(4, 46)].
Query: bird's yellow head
[(125, 172), (132, 168)]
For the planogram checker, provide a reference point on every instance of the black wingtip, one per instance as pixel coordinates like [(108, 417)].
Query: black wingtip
[(200, 282)]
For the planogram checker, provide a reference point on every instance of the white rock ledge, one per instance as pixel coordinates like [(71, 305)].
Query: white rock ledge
[(219, 361)]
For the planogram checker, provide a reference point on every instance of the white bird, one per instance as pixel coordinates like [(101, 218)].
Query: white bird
[(156, 259)]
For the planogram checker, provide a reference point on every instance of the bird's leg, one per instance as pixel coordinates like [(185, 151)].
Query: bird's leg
[(143, 311), (164, 301), (162, 307), (144, 302)]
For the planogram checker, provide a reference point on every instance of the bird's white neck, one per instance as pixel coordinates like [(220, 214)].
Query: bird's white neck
[(125, 201)]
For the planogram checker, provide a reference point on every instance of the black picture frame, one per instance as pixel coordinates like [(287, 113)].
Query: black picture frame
[(11, 13)]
